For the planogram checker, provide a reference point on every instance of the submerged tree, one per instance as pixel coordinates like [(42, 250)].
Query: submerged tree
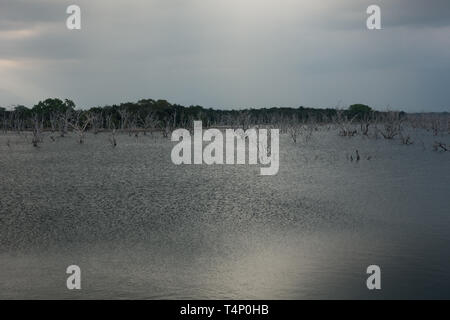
[(80, 122)]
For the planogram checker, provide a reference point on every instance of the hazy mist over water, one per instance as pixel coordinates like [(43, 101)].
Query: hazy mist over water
[(141, 227)]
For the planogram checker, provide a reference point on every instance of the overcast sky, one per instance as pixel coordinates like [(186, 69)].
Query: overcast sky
[(228, 53)]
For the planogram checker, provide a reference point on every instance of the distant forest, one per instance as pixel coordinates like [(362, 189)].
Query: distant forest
[(60, 115)]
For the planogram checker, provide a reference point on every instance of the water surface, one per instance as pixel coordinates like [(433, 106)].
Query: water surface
[(141, 227)]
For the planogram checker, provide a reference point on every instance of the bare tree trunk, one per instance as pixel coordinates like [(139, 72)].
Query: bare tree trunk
[(64, 121), (123, 119), (112, 138), (80, 125), (37, 131)]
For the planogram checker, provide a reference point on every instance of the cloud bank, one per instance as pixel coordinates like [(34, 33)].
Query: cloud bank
[(228, 53)]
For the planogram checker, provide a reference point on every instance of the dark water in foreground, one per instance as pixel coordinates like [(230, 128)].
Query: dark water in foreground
[(141, 227)]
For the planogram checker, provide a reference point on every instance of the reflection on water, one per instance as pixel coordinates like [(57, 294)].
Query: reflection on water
[(141, 227)]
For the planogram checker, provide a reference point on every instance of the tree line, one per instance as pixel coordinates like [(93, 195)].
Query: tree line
[(61, 116)]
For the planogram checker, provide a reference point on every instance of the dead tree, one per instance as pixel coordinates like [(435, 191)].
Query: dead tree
[(365, 123), (244, 119), (133, 126), (150, 122), (53, 117), (18, 123), (123, 118), (64, 122), (80, 123), (392, 125), (405, 139), (439, 146), (97, 122), (112, 138), (344, 124), (109, 122), (166, 128), (4, 123), (169, 124), (37, 131), (436, 126), (294, 128)]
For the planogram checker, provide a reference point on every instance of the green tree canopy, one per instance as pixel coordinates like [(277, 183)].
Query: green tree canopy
[(359, 108), (360, 111), (54, 105)]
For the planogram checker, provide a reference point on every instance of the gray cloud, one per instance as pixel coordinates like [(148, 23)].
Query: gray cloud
[(417, 13), (16, 14), (227, 53)]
